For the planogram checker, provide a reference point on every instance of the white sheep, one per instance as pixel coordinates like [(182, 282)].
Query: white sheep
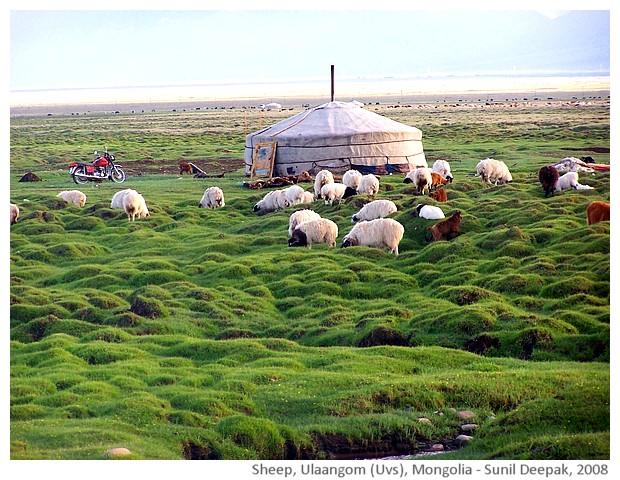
[(212, 198), (351, 178), (135, 206), (301, 216), (294, 195), (14, 213), (379, 233), (333, 191), (272, 201), (369, 185), (280, 199), (570, 180), (320, 230), (373, 210), (442, 167), (308, 197), (421, 178), (322, 178), (73, 196), (429, 212), (491, 170), (117, 199)]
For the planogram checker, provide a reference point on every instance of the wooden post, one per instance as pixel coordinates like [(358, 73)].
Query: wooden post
[(332, 83)]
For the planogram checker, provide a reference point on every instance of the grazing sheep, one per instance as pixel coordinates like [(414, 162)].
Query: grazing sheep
[(135, 206), (491, 170), (447, 228), (548, 177), (429, 212), (320, 230), (351, 178), (443, 168), (212, 198), (308, 197), (300, 216), (294, 194), (437, 180), (73, 196), (379, 233), (333, 191), (369, 185), (597, 212), (272, 201), (322, 178), (373, 210), (117, 199), (14, 213), (421, 178), (439, 195), (570, 180)]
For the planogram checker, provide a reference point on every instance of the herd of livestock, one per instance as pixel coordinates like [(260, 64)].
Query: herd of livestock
[(372, 225)]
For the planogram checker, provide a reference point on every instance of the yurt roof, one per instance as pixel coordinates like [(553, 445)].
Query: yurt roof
[(334, 120)]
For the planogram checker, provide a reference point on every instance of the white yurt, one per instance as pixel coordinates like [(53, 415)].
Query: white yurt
[(339, 136)]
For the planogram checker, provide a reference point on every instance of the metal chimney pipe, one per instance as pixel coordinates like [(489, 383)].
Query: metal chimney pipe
[(332, 83)]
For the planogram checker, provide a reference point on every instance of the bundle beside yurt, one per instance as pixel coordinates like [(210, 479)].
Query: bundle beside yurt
[(338, 136)]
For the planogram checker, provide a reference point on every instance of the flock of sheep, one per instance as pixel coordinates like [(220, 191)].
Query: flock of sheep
[(371, 227)]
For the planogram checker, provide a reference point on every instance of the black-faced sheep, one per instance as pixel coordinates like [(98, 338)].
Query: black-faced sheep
[(491, 170), (548, 177), (300, 216), (135, 206), (212, 198), (429, 212), (443, 168), (272, 201), (14, 213), (373, 210), (379, 233), (75, 197), (369, 185), (309, 232), (597, 212), (448, 228), (322, 178)]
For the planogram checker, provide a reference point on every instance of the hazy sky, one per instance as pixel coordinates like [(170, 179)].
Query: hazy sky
[(83, 48)]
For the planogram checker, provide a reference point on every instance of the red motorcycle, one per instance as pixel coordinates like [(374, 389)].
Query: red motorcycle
[(102, 168)]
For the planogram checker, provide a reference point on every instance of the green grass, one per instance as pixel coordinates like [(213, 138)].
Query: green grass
[(199, 334)]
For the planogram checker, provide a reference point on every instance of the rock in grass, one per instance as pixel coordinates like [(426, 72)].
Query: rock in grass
[(116, 452), (463, 438), (465, 415), (469, 427)]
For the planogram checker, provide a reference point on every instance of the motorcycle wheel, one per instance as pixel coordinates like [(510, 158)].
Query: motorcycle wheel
[(79, 179), (117, 175)]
